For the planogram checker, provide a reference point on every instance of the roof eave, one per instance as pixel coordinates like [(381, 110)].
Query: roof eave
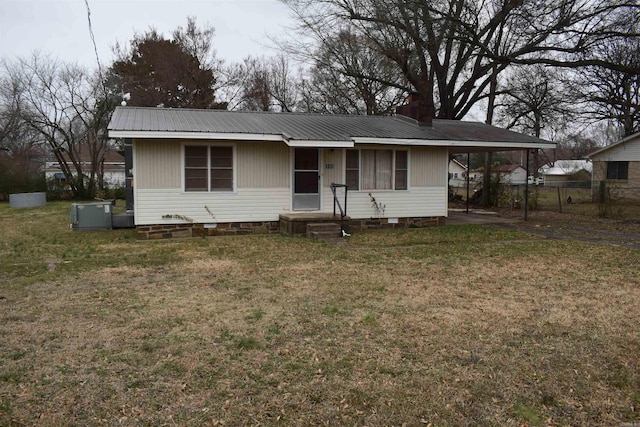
[(300, 143), (147, 134), (223, 136), (505, 145)]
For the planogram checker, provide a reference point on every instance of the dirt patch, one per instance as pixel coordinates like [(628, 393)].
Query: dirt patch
[(554, 225)]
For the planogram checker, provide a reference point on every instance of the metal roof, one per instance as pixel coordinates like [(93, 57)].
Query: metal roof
[(148, 122)]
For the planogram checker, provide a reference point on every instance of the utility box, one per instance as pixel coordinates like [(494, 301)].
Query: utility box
[(91, 216), (123, 220)]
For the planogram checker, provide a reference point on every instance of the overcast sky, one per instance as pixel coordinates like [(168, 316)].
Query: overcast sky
[(60, 27)]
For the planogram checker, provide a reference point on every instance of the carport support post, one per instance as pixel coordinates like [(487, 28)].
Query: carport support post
[(526, 190), (468, 166)]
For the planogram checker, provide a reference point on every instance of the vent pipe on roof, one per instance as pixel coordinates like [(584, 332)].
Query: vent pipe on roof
[(417, 109)]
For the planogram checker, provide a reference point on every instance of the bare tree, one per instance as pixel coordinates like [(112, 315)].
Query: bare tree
[(198, 42), (451, 50), (338, 81), (67, 109), (534, 98), (535, 101), (284, 85), (613, 95), (263, 84), (257, 90), (20, 156), (575, 146)]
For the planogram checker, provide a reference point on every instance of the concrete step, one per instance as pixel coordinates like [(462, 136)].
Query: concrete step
[(323, 230), (323, 226)]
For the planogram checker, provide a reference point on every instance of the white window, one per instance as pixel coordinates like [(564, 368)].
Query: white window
[(369, 169), (208, 168)]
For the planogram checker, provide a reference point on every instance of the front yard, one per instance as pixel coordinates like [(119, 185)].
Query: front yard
[(455, 325)]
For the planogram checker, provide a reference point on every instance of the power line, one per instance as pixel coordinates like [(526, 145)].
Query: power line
[(93, 40)]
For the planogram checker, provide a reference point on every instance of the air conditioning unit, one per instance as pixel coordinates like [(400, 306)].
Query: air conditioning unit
[(91, 216)]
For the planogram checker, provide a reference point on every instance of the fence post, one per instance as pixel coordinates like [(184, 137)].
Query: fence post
[(559, 200)]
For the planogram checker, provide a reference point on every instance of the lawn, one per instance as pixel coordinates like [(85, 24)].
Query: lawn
[(454, 325)]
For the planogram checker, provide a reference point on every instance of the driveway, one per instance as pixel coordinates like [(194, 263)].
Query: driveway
[(554, 225)]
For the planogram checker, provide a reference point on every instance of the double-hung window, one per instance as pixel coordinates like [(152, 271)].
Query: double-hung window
[(369, 169), (208, 168), (617, 170)]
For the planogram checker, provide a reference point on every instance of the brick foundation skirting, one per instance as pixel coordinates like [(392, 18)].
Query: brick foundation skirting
[(171, 231), (383, 223)]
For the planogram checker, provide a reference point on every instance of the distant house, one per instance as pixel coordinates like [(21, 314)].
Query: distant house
[(111, 168), (507, 174), (617, 167), (208, 172), (510, 174), (457, 174), (563, 173)]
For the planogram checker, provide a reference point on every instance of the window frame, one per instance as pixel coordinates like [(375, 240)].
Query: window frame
[(617, 171), (394, 168), (210, 168)]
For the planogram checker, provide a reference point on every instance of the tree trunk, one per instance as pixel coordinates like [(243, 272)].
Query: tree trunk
[(486, 184)]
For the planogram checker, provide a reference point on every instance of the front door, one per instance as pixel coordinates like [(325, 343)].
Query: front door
[(306, 179)]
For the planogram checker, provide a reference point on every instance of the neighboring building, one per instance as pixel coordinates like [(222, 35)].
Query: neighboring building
[(617, 167), (210, 171), (111, 168), (477, 175), (457, 174), (567, 173), (509, 174)]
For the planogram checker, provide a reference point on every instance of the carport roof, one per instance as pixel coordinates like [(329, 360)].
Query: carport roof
[(312, 130)]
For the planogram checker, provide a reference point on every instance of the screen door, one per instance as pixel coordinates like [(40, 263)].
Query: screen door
[(306, 179)]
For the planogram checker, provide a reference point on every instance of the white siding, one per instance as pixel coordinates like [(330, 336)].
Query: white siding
[(627, 151), (156, 163), (417, 202), (516, 176), (263, 165), (334, 173), (457, 175), (246, 205), (263, 190), (426, 197), (428, 166), (114, 178)]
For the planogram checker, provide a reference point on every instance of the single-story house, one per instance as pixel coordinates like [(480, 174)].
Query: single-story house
[(111, 167), (457, 174), (566, 173), (207, 172), (507, 174), (476, 175), (510, 174), (617, 167)]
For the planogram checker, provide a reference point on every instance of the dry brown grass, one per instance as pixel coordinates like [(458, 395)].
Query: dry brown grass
[(447, 326)]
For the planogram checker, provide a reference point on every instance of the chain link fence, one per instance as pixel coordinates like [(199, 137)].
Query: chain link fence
[(605, 199)]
